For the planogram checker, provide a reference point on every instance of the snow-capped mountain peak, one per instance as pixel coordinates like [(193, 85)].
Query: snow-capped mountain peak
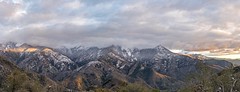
[(162, 49), (8, 45)]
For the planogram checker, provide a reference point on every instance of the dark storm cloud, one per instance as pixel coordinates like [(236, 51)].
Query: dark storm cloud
[(179, 24)]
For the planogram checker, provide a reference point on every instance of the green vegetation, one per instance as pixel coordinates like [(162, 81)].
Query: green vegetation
[(102, 90), (135, 87), (131, 87), (18, 81), (206, 80)]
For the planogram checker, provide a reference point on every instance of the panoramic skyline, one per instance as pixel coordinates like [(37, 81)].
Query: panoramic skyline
[(119, 46), (175, 24)]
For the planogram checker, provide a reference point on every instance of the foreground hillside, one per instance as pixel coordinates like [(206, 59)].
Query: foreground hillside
[(228, 80), (111, 68), (14, 79)]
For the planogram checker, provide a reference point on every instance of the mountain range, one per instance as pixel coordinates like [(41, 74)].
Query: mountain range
[(113, 67)]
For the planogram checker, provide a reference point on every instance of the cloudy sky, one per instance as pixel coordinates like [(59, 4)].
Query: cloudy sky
[(176, 24)]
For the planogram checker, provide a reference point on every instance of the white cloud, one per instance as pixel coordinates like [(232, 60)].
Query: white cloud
[(136, 23), (73, 5)]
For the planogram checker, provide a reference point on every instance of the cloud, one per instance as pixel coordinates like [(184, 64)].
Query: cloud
[(178, 24)]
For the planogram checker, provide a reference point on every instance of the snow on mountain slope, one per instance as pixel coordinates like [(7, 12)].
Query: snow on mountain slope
[(40, 59), (157, 67)]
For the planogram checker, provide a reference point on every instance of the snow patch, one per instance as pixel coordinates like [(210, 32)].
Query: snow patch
[(93, 62)]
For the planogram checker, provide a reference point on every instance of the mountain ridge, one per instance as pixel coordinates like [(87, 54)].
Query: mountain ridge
[(81, 68)]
